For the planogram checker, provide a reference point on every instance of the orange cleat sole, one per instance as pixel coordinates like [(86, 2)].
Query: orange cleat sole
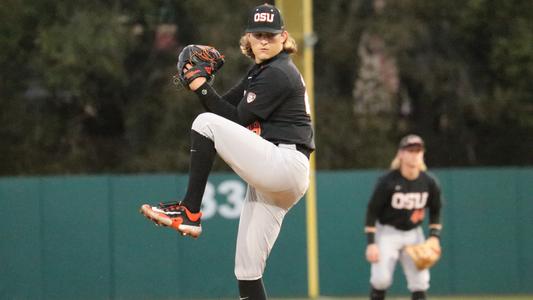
[(163, 220)]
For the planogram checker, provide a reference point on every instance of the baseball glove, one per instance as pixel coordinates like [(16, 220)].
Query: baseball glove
[(426, 254), (205, 62)]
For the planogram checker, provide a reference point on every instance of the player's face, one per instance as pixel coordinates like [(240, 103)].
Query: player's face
[(266, 45), (412, 156)]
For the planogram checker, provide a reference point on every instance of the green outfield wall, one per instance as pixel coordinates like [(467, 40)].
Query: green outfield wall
[(81, 237)]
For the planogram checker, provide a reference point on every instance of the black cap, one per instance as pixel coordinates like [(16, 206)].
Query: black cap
[(265, 18), (411, 140)]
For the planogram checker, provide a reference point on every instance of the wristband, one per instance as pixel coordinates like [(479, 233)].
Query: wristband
[(434, 232), (370, 238)]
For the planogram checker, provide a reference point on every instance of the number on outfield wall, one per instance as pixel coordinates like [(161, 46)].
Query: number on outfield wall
[(235, 193), (231, 198)]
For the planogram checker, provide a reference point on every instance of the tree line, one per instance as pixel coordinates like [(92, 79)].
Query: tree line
[(87, 85)]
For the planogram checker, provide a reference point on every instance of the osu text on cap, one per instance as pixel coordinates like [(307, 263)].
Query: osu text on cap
[(263, 17)]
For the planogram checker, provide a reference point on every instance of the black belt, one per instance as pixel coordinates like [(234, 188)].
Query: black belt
[(304, 150), (300, 148)]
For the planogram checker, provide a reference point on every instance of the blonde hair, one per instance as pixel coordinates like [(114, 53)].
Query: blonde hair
[(289, 45), (396, 163)]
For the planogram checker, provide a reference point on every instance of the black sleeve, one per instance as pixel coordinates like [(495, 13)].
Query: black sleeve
[(212, 102), (435, 202), (378, 200), (270, 88), (235, 94)]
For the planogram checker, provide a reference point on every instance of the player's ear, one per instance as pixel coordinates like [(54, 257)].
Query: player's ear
[(284, 35)]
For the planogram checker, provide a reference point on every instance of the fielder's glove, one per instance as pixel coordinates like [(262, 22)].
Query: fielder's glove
[(425, 255), (205, 62)]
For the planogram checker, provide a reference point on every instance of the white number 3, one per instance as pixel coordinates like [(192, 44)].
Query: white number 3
[(235, 192)]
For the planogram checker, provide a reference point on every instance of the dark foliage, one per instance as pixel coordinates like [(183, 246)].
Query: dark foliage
[(86, 86)]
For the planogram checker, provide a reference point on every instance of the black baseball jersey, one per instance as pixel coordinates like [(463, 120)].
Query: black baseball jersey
[(271, 100), (402, 203)]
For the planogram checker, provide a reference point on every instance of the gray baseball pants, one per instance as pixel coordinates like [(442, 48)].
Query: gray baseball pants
[(277, 177)]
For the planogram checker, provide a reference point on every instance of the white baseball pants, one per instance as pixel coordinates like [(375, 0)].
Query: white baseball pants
[(277, 177), (391, 242)]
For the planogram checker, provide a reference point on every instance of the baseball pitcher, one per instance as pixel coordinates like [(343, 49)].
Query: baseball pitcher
[(261, 128)]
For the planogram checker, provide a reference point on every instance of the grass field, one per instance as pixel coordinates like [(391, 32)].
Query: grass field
[(482, 297)]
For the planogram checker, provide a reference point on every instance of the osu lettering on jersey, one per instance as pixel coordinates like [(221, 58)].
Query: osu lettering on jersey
[(401, 203)]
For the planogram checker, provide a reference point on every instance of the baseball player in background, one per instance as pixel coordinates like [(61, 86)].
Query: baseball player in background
[(394, 215), (262, 129)]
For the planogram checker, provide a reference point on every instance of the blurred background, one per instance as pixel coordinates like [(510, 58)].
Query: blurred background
[(91, 126), (86, 86)]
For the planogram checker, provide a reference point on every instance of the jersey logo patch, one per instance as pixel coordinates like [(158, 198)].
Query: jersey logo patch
[(250, 98)]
